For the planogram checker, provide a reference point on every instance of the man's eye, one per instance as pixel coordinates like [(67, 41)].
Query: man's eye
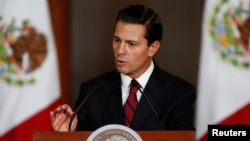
[(132, 44), (116, 40)]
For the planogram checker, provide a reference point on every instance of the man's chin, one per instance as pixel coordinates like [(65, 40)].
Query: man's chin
[(123, 71)]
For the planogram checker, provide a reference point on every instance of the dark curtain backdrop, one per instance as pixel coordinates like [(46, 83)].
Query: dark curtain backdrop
[(92, 24)]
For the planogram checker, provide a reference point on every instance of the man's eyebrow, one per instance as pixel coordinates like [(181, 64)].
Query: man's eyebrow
[(131, 41), (114, 36), (125, 40)]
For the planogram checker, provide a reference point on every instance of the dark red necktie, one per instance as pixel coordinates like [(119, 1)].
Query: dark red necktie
[(130, 105)]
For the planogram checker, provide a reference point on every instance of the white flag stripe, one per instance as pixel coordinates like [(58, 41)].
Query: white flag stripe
[(19, 103)]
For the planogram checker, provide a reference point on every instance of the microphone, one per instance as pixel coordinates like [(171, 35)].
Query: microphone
[(81, 104), (135, 83)]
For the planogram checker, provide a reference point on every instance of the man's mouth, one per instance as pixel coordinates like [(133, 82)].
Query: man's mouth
[(120, 62)]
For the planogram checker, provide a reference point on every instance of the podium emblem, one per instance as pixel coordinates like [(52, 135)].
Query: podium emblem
[(114, 132)]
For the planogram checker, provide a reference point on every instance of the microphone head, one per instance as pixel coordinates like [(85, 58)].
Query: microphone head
[(134, 82), (98, 86)]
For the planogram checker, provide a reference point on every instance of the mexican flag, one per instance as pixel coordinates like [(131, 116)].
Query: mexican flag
[(224, 73), (29, 77)]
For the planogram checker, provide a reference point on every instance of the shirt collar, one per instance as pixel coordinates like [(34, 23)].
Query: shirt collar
[(142, 80)]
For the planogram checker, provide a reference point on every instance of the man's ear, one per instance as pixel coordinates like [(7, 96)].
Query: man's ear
[(153, 48)]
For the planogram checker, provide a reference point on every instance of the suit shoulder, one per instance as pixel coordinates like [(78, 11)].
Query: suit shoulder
[(174, 79)]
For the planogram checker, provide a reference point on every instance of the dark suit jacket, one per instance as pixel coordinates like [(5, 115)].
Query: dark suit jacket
[(171, 97)]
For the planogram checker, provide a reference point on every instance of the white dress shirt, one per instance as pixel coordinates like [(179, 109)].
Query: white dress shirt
[(142, 80)]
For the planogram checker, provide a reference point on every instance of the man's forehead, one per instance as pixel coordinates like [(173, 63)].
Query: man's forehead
[(129, 30)]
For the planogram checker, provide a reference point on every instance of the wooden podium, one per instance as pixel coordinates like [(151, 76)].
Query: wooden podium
[(145, 135)]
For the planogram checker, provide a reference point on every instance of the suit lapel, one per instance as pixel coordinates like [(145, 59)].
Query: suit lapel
[(141, 114), (144, 115), (116, 108), (114, 101)]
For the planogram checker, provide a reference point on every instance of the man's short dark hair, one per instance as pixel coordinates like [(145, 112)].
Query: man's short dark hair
[(141, 14)]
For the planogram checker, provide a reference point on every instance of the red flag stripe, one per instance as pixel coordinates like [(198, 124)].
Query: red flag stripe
[(240, 117), (39, 122)]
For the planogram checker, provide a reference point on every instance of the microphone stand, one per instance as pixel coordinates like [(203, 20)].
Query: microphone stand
[(79, 107)]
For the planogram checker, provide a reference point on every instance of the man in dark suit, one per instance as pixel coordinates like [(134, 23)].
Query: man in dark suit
[(165, 101)]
